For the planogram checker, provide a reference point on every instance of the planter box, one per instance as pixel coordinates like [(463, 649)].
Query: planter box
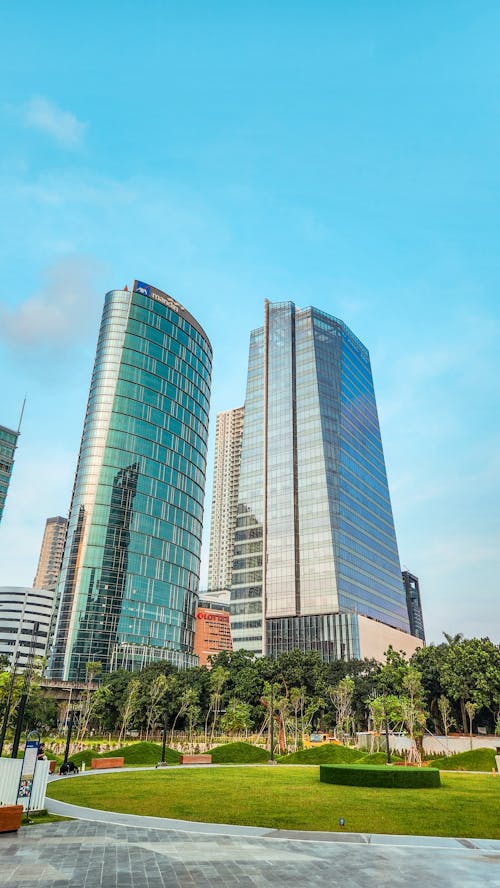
[(10, 817), (116, 762), (196, 759), (380, 775)]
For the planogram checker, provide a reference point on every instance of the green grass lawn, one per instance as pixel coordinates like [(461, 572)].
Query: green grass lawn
[(466, 805), (38, 817)]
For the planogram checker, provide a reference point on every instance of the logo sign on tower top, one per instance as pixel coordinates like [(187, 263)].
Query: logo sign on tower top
[(164, 298), (139, 287)]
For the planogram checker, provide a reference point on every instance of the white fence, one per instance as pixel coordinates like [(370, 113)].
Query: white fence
[(432, 743), (10, 774)]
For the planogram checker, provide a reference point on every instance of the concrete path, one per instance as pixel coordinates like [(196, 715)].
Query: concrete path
[(88, 854)]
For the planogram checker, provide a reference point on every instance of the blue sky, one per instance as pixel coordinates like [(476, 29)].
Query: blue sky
[(342, 155)]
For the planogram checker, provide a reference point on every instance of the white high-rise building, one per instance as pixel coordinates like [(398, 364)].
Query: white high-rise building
[(25, 616), (228, 437)]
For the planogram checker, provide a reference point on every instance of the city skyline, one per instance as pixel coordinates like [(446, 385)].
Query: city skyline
[(328, 155)]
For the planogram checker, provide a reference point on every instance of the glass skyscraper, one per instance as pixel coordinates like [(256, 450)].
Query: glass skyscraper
[(8, 444), (315, 544), (130, 571)]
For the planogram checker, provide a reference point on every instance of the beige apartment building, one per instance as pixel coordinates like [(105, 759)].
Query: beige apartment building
[(49, 563)]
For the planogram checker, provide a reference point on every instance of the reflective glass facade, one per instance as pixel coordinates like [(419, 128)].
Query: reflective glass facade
[(314, 506), (131, 561), (8, 443)]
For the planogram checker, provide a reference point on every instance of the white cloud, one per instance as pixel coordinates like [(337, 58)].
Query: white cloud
[(46, 116), (62, 311)]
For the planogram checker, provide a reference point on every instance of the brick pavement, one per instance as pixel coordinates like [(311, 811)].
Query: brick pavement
[(91, 854)]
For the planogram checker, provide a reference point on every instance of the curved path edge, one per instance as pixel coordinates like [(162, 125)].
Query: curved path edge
[(77, 812)]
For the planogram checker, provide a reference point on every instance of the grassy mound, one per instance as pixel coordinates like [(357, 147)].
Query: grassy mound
[(319, 755), (242, 753), (86, 755), (143, 753), (377, 758), (473, 760)]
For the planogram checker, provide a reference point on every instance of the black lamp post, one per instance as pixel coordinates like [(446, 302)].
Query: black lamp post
[(26, 689), (68, 736), (7, 704), (163, 763), (387, 744), (271, 716)]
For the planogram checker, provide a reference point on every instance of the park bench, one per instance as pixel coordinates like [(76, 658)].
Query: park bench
[(112, 762), (196, 759)]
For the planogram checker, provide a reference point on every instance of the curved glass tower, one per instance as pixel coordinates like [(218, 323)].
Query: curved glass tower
[(132, 555)]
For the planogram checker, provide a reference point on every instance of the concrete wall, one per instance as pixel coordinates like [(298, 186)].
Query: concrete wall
[(375, 638), (432, 743)]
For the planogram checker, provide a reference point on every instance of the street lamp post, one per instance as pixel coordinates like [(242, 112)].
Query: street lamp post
[(26, 688), (163, 763), (8, 702), (68, 736), (387, 744)]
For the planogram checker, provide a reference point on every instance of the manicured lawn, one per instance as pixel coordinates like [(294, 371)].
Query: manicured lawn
[(466, 805)]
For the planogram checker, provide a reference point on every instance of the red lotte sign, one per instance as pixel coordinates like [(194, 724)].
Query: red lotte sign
[(211, 616)]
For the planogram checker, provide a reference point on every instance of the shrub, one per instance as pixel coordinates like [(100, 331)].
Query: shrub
[(328, 752), (377, 758), (374, 775), (244, 753), (144, 753)]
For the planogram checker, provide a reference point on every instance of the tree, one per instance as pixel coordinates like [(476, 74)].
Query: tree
[(391, 675), (444, 706), (413, 712), (236, 718), (341, 696), (90, 698), (471, 672), (188, 699), (471, 709), (129, 705), (297, 702), (192, 716), (384, 713), (156, 692), (218, 678)]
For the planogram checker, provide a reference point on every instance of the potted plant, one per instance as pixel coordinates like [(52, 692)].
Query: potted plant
[(10, 817)]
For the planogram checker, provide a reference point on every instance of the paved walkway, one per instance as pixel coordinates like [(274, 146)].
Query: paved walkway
[(107, 850)]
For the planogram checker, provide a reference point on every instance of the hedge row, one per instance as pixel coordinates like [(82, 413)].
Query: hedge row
[(369, 775)]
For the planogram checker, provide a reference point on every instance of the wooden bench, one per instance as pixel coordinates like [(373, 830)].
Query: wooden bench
[(112, 762), (196, 759)]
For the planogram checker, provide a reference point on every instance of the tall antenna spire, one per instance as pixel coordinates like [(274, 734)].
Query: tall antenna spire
[(21, 417)]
